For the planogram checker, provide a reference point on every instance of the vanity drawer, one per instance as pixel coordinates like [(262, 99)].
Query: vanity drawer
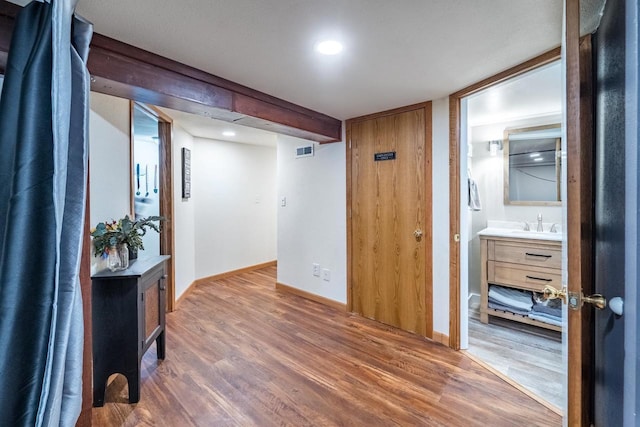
[(524, 277), (540, 255)]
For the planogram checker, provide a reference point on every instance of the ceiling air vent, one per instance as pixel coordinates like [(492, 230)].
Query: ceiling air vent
[(305, 151)]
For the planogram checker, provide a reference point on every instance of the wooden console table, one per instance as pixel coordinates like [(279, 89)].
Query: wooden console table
[(128, 313)]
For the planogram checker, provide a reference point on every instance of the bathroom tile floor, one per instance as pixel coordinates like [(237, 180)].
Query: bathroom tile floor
[(528, 355)]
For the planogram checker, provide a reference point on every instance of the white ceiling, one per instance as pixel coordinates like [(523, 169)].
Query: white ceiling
[(396, 52), (535, 94), (146, 128), (203, 127)]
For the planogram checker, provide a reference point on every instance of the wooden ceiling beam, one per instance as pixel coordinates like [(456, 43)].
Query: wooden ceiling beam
[(126, 71)]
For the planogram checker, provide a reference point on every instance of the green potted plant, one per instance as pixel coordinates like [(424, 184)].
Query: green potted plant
[(111, 235)]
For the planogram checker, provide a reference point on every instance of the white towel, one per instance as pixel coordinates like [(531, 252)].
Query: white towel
[(541, 317), (511, 297), (474, 196), (497, 306)]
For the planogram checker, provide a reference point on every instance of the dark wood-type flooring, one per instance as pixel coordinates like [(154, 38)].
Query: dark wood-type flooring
[(240, 353)]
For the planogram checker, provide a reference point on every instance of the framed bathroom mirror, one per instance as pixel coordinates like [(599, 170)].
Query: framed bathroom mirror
[(532, 168)]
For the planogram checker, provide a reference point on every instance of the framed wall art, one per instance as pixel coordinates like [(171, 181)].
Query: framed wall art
[(186, 173)]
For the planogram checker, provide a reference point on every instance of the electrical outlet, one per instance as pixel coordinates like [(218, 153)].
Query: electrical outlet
[(326, 274), (316, 269)]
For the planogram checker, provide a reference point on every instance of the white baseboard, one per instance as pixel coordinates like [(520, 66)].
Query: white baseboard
[(474, 301)]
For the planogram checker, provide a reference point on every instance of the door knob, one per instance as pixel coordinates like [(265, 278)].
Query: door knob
[(552, 293), (574, 299), (418, 234), (617, 305), (597, 300)]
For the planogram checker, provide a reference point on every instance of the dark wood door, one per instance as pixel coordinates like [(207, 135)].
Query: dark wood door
[(391, 218), (579, 131), (610, 197)]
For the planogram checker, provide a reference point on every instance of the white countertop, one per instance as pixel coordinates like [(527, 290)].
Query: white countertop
[(515, 231), (520, 234)]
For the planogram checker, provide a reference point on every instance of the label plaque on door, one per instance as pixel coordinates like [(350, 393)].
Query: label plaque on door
[(390, 155)]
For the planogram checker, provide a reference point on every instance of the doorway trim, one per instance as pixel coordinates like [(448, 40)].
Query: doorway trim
[(455, 100), (165, 182)]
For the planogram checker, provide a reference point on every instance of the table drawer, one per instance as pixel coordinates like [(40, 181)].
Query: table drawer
[(539, 255), (531, 278)]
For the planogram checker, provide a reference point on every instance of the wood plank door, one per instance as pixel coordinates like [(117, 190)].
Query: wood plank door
[(580, 216), (390, 235)]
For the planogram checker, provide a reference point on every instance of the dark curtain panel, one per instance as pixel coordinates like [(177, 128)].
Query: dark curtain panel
[(27, 222), (43, 110)]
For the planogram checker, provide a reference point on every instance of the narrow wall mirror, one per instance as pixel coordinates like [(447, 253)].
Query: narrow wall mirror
[(145, 155), (532, 168)]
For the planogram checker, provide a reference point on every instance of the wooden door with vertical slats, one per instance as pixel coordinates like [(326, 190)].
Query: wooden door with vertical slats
[(391, 219)]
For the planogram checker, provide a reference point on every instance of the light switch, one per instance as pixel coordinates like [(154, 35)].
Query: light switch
[(326, 274), (283, 202)]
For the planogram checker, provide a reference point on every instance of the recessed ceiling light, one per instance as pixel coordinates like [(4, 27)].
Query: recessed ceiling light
[(329, 47), (229, 133)]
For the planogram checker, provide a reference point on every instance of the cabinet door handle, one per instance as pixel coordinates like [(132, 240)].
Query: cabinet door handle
[(539, 278), (538, 255)]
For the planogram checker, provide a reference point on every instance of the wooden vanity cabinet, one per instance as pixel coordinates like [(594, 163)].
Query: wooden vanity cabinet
[(524, 264), (128, 314)]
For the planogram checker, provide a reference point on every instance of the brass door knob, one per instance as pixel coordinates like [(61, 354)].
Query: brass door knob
[(597, 300), (576, 300), (552, 293), (418, 235)]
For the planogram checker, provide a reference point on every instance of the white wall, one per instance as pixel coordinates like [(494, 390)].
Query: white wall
[(109, 126), (233, 188), (233, 231), (312, 225), (440, 165), (183, 217), (234, 203), (222, 228)]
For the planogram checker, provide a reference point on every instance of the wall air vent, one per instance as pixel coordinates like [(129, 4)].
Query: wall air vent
[(304, 151)]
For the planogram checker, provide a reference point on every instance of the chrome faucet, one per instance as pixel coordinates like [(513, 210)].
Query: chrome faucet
[(540, 227), (525, 226), (554, 228)]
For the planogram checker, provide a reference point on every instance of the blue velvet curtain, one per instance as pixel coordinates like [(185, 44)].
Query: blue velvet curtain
[(43, 167)]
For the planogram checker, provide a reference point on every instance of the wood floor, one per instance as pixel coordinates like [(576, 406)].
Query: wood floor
[(240, 353), (528, 355)]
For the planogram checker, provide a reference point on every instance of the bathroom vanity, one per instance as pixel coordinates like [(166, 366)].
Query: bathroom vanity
[(522, 260)]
